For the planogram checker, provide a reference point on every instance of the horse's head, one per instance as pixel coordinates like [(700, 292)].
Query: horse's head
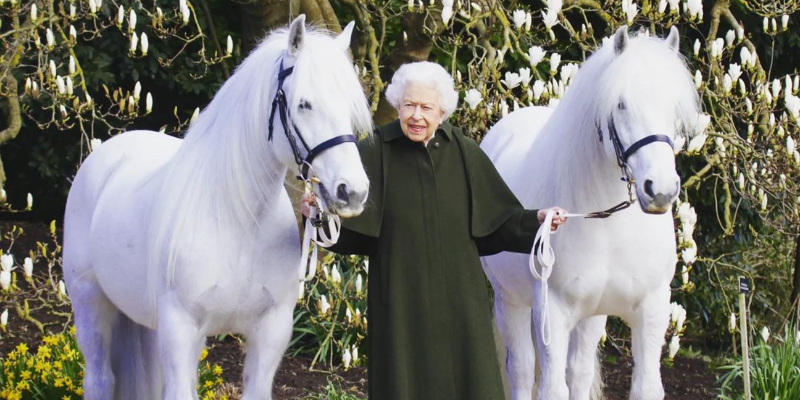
[(324, 104), (647, 98)]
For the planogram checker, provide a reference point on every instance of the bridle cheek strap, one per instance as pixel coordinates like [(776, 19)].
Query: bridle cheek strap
[(322, 147), (644, 142)]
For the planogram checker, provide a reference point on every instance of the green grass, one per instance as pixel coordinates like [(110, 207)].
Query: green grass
[(333, 391)]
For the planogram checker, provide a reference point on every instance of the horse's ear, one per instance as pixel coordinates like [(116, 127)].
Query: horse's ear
[(673, 40), (343, 40), (297, 33), (621, 39)]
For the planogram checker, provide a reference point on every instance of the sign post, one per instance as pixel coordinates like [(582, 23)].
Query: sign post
[(744, 289)]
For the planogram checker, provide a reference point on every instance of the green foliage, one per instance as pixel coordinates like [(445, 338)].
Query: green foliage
[(333, 391), (774, 370)]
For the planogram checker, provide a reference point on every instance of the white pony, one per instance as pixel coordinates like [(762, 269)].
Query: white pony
[(168, 241), (618, 119)]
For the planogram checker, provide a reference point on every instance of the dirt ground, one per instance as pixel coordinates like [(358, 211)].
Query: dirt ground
[(688, 379)]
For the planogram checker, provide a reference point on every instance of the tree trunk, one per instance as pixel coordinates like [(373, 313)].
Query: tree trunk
[(11, 91), (796, 280), (262, 16)]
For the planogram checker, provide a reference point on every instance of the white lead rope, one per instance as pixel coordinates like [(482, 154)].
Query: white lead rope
[(546, 258), (320, 238)]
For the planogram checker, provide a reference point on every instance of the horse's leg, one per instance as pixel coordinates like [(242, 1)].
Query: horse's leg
[(582, 356), (267, 340), (649, 322), (180, 343), (94, 319), (553, 356), (514, 323)]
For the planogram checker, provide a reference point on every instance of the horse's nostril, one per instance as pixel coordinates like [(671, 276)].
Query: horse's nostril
[(648, 188), (341, 192)]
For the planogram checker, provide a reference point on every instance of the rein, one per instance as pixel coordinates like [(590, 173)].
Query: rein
[(318, 218)]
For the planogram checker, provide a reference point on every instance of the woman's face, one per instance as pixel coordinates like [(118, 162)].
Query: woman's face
[(420, 113)]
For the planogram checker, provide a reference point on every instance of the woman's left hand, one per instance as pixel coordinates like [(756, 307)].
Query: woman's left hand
[(558, 219)]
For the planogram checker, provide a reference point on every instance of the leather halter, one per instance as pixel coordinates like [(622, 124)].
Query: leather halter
[(280, 104), (622, 161)]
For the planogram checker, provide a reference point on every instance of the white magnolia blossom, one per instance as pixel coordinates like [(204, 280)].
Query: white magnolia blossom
[(518, 16), (6, 262), (301, 290), (745, 56), (512, 80), (4, 319), (695, 8), (347, 358), (792, 103), (685, 280), (134, 42), (538, 89), (697, 143), (630, 9), (71, 67), (51, 40), (765, 334), (148, 103), (70, 88), (52, 69), (195, 114), (93, 7), (730, 37), (555, 60), (324, 306), (568, 71), (335, 276), (528, 21), (662, 6), (525, 76), (674, 345), (735, 71), (62, 88), (503, 108), (72, 10), (120, 15), (765, 24), (674, 6), (698, 79), (131, 21), (229, 44), (34, 13), (30, 201), (696, 47), (359, 284), (185, 14), (536, 55), (27, 267), (144, 43), (94, 144), (732, 323), (5, 280), (742, 87), (354, 353), (689, 254), (473, 98), (785, 22), (774, 25), (727, 83), (549, 19), (776, 88)]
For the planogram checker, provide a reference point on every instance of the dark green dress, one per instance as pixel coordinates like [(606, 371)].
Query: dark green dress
[(431, 213)]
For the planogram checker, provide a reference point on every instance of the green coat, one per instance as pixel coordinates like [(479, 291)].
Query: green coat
[(432, 211)]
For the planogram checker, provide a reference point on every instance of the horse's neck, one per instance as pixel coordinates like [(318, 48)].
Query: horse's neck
[(570, 164)]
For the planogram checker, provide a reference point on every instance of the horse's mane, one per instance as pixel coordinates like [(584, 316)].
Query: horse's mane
[(226, 169)]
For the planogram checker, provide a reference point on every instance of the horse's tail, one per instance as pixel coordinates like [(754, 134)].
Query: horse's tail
[(134, 361), (596, 392)]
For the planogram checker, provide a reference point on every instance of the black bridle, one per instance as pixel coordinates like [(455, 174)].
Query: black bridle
[(622, 161), (280, 103)]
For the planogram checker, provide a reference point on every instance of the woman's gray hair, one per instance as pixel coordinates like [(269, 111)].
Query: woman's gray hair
[(425, 73)]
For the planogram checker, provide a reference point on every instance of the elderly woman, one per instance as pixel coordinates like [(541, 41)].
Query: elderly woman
[(436, 205)]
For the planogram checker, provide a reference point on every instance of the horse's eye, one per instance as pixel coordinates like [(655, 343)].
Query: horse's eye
[(621, 106), (305, 105)]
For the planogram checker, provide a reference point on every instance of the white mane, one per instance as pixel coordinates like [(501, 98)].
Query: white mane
[(648, 76), (226, 169)]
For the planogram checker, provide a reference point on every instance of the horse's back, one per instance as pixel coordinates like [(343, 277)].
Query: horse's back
[(511, 138)]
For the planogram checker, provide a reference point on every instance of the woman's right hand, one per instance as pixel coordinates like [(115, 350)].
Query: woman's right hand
[(306, 202)]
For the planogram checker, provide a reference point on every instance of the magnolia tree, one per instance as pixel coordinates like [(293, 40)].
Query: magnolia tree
[(45, 47)]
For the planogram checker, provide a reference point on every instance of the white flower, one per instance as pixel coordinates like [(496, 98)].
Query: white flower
[(473, 98), (73, 34), (732, 323), (536, 55), (195, 114), (549, 19), (359, 284), (347, 358), (137, 90), (776, 88), (774, 25), (30, 201), (568, 71), (785, 22), (229, 46), (554, 6), (727, 83), (94, 144), (120, 15), (134, 42), (512, 80), (680, 140), (131, 21), (745, 56), (696, 47), (324, 305), (684, 279), (5, 280), (52, 68), (6, 262), (793, 106), (741, 182), (698, 79), (348, 315), (689, 255), (185, 14), (92, 7), (354, 352), (662, 6), (789, 145), (765, 334), (503, 108), (696, 144), (71, 65), (630, 10), (538, 89), (301, 290), (72, 10), (447, 13), (366, 266), (687, 214), (145, 43), (764, 201), (51, 40), (61, 85), (335, 277), (674, 345), (695, 8), (62, 289), (730, 37), (519, 18), (27, 267), (735, 71), (525, 76), (674, 6), (4, 319), (555, 59), (34, 13), (765, 24), (528, 21)]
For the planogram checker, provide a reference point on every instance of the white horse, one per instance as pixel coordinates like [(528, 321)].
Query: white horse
[(168, 241), (626, 105)]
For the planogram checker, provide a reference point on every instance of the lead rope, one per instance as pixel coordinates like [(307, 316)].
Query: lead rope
[(315, 232)]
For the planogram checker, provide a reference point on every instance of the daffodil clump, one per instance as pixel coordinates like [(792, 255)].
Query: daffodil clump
[(55, 372), (331, 320)]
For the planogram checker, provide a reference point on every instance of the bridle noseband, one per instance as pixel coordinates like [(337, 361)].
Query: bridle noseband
[(281, 104), (622, 161)]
